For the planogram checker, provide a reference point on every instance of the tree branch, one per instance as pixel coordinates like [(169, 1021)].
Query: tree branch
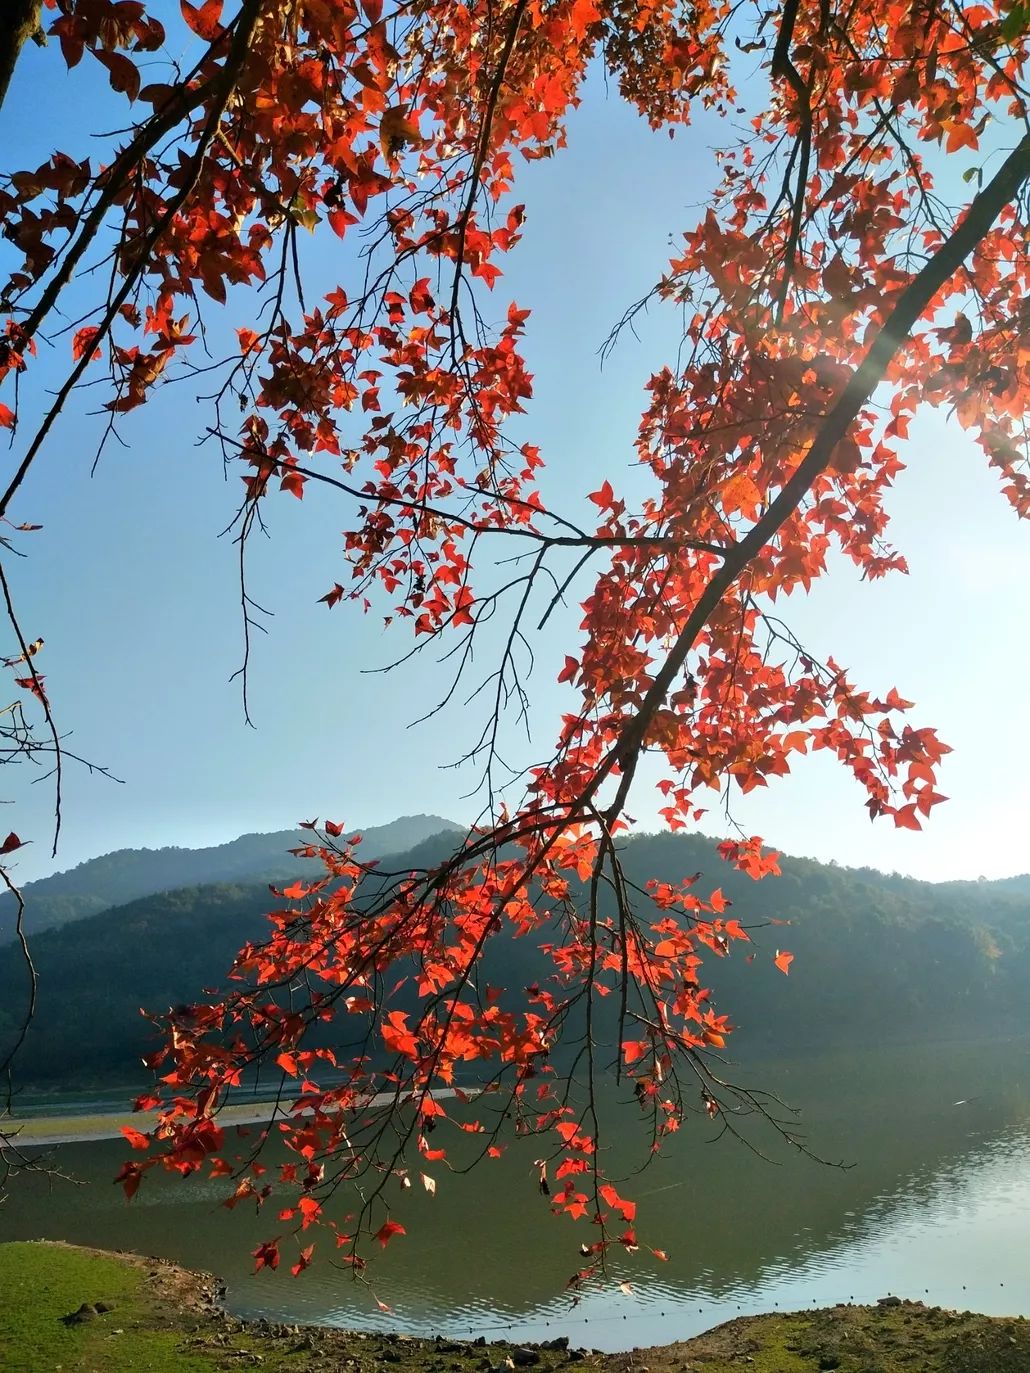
[(909, 306), (19, 23), (221, 88)]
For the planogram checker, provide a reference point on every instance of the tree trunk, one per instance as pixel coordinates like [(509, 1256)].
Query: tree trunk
[(19, 20)]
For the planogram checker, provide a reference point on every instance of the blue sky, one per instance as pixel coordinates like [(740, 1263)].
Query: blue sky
[(137, 596)]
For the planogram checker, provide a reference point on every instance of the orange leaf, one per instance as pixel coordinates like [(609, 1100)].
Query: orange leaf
[(740, 495), (905, 818), (960, 135), (130, 1176), (332, 597), (628, 1209), (82, 342), (603, 498), (250, 342), (396, 131), (387, 1230), (266, 1255), (204, 21)]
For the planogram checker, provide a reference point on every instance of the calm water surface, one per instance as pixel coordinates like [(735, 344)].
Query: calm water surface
[(936, 1205)]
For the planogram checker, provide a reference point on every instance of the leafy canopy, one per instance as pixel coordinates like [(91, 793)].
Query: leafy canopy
[(841, 275)]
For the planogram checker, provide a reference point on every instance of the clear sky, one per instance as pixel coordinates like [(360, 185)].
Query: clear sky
[(137, 598)]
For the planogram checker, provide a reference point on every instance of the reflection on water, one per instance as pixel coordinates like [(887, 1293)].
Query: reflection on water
[(937, 1201)]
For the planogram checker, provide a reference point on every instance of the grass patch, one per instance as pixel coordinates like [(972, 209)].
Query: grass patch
[(165, 1319), (152, 1317), (42, 1283), (907, 1338)]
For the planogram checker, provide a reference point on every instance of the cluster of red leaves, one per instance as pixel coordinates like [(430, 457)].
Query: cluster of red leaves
[(361, 944), (828, 270)]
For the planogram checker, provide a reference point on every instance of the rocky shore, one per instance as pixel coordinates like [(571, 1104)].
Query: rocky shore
[(75, 1309)]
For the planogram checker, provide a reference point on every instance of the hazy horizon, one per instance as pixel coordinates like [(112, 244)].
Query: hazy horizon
[(639, 831)]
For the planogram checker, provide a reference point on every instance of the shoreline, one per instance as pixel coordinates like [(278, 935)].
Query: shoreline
[(48, 1131), (84, 1309)]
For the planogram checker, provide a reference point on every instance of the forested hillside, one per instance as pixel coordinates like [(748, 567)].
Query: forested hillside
[(127, 874), (876, 957)]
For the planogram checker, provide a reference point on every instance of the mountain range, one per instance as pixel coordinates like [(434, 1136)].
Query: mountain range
[(877, 956), (127, 874)]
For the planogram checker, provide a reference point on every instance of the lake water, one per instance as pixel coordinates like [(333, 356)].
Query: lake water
[(936, 1205)]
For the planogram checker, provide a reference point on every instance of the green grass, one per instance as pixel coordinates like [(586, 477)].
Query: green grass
[(910, 1338), (163, 1320), (40, 1283)]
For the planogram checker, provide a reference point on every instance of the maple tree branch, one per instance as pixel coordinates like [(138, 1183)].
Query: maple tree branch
[(163, 121), (40, 694), (480, 159), (251, 516), (19, 22), (783, 66), (766, 441), (30, 968), (578, 539), (910, 304), (221, 88)]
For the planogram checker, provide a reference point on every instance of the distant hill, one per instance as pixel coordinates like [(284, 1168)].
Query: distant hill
[(127, 874), (982, 890), (877, 958)]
